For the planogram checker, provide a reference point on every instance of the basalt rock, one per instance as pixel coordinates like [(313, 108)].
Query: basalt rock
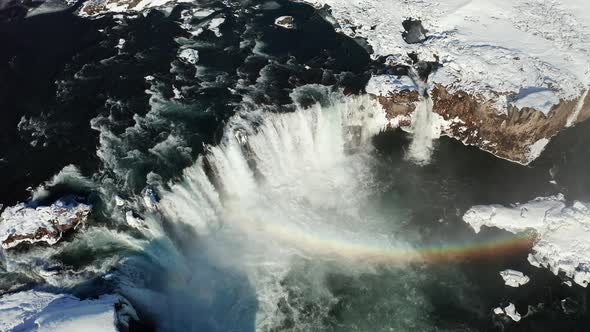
[(517, 135), (22, 223)]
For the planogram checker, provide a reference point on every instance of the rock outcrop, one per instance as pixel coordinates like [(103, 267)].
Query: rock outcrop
[(518, 135), (509, 78), (22, 223)]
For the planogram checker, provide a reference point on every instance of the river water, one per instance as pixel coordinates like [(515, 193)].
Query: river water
[(282, 205)]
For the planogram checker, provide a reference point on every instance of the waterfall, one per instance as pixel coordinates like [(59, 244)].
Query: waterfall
[(424, 129), (281, 191)]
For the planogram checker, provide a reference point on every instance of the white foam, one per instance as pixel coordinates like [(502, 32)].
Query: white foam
[(294, 185), (70, 176)]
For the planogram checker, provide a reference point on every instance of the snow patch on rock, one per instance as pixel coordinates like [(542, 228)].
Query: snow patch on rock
[(514, 278), (563, 233), (488, 48), (21, 223), (382, 85), (287, 22), (42, 311)]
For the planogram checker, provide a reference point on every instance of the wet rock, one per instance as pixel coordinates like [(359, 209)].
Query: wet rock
[(414, 31), (287, 22), (518, 135)]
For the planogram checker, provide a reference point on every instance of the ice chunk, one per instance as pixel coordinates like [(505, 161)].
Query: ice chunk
[(514, 278), (563, 233), (42, 311)]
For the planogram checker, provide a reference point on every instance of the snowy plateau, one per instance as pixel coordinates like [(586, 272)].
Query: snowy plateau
[(514, 72), (517, 69)]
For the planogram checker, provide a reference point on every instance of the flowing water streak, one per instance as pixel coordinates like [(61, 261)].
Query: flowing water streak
[(424, 129)]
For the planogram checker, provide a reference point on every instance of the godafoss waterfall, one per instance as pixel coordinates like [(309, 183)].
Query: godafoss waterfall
[(216, 166)]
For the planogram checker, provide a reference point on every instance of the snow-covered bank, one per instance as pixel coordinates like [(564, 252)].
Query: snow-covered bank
[(514, 72), (22, 223), (490, 48), (42, 311), (562, 232)]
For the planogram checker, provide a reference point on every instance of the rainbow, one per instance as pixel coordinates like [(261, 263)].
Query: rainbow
[(386, 253)]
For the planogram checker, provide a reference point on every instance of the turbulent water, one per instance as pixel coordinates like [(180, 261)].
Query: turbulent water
[(283, 203), (254, 188)]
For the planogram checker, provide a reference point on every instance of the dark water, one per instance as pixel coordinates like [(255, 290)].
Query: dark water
[(61, 73)]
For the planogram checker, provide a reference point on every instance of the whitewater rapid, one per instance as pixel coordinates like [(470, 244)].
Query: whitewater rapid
[(284, 201)]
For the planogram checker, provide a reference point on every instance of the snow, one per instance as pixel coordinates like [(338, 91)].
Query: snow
[(42, 311), (381, 85), (21, 223), (563, 232), (535, 149), (286, 22), (122, 6), (488, 48), (539, 99), (514, 278), (509, 311)]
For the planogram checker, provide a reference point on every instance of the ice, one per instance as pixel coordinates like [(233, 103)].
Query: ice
[(509, 311), (42, 311), (563, 232), (487, 48), (514, 278), (382, 85), (539, 99)]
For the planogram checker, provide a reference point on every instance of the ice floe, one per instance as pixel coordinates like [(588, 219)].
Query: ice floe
[(562, 232), (514, 278)]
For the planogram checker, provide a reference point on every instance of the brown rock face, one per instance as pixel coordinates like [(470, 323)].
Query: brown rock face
[(21, 223), (508, 136)]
